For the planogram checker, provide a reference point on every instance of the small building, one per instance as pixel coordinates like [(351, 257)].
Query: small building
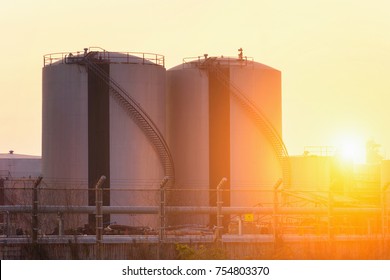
[(17, 175), (19, 166)]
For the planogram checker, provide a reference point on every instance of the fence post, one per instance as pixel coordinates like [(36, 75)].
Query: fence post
[(218, 231), (8, 224), (275, 212), (161, 233), (384, 216), (162, 208), (99, 217), (330, 220), (35, 211), (60, 218)]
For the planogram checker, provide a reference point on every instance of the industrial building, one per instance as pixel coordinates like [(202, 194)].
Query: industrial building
[(17, 172), (14, 165), (104, 114), (123, 116), (224, 115), (193, 150)]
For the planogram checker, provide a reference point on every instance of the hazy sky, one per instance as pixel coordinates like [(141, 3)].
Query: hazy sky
[(334, 56)]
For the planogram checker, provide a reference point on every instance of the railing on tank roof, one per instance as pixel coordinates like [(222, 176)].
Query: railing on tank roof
[(199, 61), (106, 56), (326, 151)]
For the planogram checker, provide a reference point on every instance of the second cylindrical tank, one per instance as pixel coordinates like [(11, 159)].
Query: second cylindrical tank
[(214, 133)]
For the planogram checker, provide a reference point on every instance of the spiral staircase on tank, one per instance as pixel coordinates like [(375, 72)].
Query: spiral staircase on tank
[(134, 109), (260, 119)]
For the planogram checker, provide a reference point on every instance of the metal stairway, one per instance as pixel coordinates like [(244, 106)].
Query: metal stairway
[(136, 112), (256, 114)]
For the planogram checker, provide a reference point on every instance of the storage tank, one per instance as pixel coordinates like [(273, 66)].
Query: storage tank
[(311, 173), (225, 120), (104, 114), (310, 180), (17, 176), (13, 166), (385, 181)]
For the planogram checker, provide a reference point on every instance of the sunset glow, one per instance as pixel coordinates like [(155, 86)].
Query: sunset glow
[(333, 56), (351, 149), (169, 123)]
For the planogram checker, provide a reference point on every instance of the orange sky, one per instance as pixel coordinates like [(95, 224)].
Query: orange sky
[(334, 56)]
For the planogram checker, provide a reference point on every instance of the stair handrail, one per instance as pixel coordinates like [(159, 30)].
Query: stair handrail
[(164, 152), (271, 133)]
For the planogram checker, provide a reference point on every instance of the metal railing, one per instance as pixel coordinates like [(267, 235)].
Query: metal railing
[(106, 56), (326, 151), (198, 61), (276, 211)]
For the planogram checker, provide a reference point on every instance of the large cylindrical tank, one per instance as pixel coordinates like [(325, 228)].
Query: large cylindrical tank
[(311, 179), (19, 166), (311, 173), (88, 132), (213, 134), (385, 173)]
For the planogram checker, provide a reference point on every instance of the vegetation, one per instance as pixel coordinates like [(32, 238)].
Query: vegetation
[(213, 252)]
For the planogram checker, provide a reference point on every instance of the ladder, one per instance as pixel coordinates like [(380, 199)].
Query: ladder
[(136, 112)]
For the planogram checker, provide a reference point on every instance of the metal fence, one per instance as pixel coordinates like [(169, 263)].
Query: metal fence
[(181, 210)]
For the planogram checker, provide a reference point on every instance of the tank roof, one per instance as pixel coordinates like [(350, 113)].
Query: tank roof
[(103, 56), (17, 156), (226, 61)]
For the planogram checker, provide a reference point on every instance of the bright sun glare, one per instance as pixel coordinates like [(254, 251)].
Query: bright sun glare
[(351, 149)]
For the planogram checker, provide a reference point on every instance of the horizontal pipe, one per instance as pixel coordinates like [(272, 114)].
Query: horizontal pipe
[(187, 210), (227, 238)]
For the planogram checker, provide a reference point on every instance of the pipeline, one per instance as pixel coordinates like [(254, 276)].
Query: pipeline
[(188, 210)]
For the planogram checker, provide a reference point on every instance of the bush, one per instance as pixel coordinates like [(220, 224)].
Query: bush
[(186, 252)]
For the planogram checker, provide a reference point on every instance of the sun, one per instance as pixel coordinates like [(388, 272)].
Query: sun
[(351, 149)]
